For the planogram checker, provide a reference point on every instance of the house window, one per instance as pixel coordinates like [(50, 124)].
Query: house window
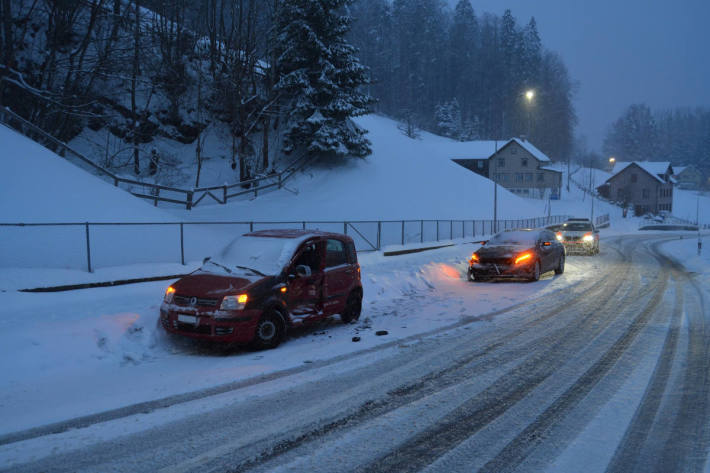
[(528, 177), (645, 193), (501, 162), (479, 164), (505, 177), (634, 178), (524, 162), (518, 177), (513, 150), (540, 177)]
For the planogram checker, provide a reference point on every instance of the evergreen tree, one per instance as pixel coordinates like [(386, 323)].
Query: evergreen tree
[(320, 78), (633, 137), (463, 68)]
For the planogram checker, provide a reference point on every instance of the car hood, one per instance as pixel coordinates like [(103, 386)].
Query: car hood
[(502, 251), (208, 285)]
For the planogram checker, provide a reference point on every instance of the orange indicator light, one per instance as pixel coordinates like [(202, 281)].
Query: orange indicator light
[(523, 257)]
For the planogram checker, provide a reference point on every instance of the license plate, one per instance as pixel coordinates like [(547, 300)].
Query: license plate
[(187, 319)]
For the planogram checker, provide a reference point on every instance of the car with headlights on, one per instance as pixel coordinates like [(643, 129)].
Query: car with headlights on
[(579, 237), (519, 254), (264, 283)]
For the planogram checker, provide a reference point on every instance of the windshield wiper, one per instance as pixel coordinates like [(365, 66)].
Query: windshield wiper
[(252, 270), (221, 266)]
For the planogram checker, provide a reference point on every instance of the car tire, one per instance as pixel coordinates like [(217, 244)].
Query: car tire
[(561, 265), (535, 276), (473, 277), (270, 330), (353, 307)]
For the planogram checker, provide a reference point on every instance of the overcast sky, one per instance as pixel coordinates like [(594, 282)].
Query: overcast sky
[(622, 52)]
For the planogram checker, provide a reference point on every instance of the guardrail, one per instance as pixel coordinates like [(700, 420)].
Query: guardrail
[(121, 243), (150, 191)]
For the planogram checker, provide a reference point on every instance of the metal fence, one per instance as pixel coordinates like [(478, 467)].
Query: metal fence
[(102, 244), (152, 192)]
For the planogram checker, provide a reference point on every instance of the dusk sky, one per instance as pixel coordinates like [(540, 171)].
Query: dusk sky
[(622, 52)]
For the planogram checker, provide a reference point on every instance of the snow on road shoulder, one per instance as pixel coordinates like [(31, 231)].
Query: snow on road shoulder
[(75, 353), (684, 250)]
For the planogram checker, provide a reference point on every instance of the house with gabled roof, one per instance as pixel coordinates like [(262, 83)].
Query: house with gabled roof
[(689, 177), (647, 186), (515, 164)]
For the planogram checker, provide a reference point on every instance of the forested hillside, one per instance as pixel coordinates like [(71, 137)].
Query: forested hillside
[(276, 76)]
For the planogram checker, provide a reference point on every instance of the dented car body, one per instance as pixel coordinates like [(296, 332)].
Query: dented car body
[(264, 283)]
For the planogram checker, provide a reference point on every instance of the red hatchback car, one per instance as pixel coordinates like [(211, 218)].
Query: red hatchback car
[(264, 282)]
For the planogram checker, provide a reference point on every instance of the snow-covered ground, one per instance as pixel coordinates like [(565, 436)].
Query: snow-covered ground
[(75, 353)]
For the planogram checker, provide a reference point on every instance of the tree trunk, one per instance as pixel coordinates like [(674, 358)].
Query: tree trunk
[(134, 113)]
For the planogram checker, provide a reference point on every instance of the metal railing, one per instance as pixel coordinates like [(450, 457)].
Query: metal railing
[(123, 243), (150, 191)]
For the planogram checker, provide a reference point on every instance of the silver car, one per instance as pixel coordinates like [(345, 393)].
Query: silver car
[(579, 237)]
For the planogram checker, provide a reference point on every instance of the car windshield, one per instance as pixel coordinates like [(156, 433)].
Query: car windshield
[(258, 255), (577, 227), (514, 238)]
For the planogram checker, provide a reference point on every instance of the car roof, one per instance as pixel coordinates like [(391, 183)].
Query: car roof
[(578, 220), (293, 233)]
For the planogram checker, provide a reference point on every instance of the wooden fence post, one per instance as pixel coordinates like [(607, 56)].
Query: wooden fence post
[(88, 248)]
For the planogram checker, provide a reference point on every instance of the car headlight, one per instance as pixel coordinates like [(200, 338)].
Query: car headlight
[(474, 258), (169, 293), (558, 235), (234, 302), (588, 237)]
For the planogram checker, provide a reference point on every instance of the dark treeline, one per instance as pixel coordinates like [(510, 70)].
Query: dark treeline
[(681, 136), (464, 74), (146, 68)]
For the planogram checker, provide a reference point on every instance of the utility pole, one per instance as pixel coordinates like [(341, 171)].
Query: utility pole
[(495, 192), (697, 221)]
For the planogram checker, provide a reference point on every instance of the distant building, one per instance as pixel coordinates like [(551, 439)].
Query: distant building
[(689, 177), (644, 185), (515, 164)]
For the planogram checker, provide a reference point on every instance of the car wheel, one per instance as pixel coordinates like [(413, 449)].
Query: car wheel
[(561, 265), (535, 276), (353, 307), (269, 330)]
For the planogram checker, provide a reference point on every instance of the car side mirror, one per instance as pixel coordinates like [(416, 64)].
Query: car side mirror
[(303, 271), (596, 231), (483, 242)]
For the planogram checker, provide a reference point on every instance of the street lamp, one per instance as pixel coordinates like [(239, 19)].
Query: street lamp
[(529, 95)]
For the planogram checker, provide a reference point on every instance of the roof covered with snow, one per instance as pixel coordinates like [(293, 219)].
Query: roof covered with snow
[(485, 149), (530, 148), (654, 168)]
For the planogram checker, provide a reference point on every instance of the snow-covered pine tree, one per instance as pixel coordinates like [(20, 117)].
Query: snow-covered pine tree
[(320, 78)]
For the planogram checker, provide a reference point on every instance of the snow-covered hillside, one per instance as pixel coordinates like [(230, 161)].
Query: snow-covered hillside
[(404, 178)]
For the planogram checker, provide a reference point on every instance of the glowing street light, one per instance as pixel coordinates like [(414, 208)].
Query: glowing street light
[(612, 160), (530, 94)]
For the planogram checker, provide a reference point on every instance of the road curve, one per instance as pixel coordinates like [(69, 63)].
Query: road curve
[(611, 375)]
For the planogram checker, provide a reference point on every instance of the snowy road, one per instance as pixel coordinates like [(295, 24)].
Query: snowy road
[(609, 374)]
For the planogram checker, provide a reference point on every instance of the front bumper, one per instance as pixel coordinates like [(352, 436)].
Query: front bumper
[(206, 326), (496, 270), (580, 247)]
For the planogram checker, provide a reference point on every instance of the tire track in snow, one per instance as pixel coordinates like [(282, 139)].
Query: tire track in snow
[(481, 410)]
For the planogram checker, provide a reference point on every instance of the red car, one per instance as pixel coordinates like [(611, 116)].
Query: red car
[(263, 283)]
